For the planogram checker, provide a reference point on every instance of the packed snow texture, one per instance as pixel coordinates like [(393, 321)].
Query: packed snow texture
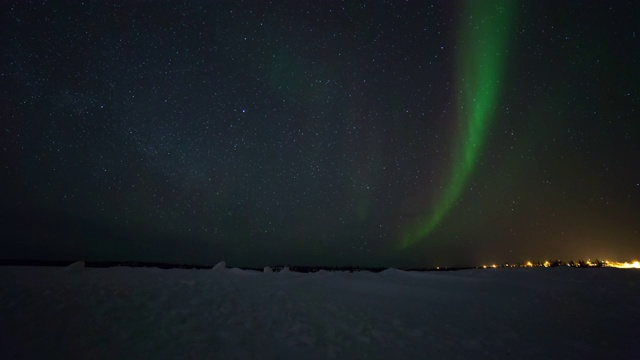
[(148, 313)]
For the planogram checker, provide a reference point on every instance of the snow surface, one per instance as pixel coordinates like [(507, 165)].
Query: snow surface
[(148, 313)]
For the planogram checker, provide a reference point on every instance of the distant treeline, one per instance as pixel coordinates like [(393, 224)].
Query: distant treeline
[(98, 264), (276, 268)]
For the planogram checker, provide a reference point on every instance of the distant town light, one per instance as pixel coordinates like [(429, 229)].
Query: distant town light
[(635, 264), (624, 265)]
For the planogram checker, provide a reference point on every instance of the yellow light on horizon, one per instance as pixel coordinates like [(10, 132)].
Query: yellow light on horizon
[(529, 264), (625, 265)]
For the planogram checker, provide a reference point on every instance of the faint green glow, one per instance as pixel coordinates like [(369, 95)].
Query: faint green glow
[(485, 27)]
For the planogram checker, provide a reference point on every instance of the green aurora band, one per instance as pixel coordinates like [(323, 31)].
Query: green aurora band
[(480, 61)]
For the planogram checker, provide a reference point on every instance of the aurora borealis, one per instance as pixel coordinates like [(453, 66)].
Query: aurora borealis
[(387, 133), (480, 63)]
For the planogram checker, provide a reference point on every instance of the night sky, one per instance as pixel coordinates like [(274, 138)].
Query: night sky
[(320, 133)]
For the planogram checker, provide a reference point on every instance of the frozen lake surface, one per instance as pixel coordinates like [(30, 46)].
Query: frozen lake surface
[(138, 313)]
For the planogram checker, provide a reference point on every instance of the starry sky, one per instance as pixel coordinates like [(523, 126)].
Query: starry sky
[(371, 133)]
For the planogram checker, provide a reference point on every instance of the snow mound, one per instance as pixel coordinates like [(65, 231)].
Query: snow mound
[(76, 266), (220, 266), (393, 271), (285, 270), (267, 269)]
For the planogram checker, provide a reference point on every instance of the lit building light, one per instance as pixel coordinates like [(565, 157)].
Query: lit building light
[(547, 264), (529, 264)]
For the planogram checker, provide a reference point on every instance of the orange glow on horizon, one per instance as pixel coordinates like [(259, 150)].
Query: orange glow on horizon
[(634, 264), (624, 265)]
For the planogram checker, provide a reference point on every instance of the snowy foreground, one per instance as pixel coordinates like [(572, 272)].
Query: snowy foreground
[(148, 313)]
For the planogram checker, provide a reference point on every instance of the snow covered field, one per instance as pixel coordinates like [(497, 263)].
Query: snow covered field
[(148, 313)]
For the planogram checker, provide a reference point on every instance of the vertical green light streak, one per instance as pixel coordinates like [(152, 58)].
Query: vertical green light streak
[(480, 61)]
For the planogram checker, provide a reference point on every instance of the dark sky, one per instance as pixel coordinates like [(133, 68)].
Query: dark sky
[(373, 133)]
